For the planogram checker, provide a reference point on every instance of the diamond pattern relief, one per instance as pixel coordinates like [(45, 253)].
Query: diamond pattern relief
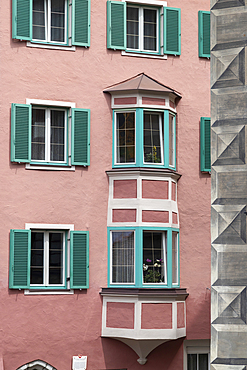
[(221, 4)]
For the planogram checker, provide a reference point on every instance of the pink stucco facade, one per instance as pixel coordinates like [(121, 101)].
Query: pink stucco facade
[(55, 327)]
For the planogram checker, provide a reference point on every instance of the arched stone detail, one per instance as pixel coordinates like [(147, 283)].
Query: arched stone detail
[(37, 365)]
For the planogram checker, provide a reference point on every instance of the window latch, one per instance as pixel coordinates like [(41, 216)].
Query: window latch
[(68, 279)]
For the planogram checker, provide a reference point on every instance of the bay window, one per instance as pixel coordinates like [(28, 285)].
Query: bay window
[(144, 138), (143, 257)]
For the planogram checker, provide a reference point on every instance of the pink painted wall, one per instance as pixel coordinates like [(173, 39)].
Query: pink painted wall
[(155, 189), (54, 328), (124, 215), (174, 218), (155, 216), (180, 315), (124, 188), (156, 316), (153, 101), (120, 315)]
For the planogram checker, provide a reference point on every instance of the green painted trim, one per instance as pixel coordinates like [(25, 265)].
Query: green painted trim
[(205, 144), (117, 27), (202, 35), (21, 30), (85, 262), (168, 50), (17, 262), (17, 135), (175, 142), (81, 140), (84, 8)]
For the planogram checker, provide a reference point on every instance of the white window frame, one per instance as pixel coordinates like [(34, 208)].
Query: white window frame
[(141, 29), (161, 128), (115, 136), (124, 230), (53, 227), (54, 104), (164, 244), (47, 8), (200, 346), (48, 135)]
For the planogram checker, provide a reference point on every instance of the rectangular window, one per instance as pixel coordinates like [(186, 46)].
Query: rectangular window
[(153, 137), (123, 256), (49, 257), (125, 137), (144, 138), (197, 361), (49, 133), (142, 28), (154, 257), (174, 258), (55, 135), (49, 20), (171, 140)]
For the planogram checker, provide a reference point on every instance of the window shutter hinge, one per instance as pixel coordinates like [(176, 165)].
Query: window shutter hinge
[(70, 4), (70, 116), (70, 37), (68, 279), (68, 240)]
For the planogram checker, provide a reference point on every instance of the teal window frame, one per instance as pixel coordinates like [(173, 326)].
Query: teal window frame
[(77, 19), (117, 28), (138, 257), (205, 144), (204, 34), (139, 140), (79, 132), (20, 255)]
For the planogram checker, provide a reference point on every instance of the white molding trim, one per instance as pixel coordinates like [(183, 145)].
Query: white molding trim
[(147, 2), (40, 364), (54, 103), (69, 227), (48, 292), (49, 168), (50, 46), (143, 55)]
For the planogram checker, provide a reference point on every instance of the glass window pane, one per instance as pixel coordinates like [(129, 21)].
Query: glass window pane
[(38, 134), (37, 258), (171, 141), (39, 20), (150, 29), (132, 28), (58, 20), (153, 138), (203, 361), (192, 362), (123, 257), (125, 137), (55, 258), (174, 257), (57, 136), (154, 257)]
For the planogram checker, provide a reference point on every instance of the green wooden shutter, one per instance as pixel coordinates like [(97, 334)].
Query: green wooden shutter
[(205, 144), (81, 22), (204, 34), (19, 261), (79, 259), (22, 19), (80, 133), (116, 25), (20, 133), (172, 31)]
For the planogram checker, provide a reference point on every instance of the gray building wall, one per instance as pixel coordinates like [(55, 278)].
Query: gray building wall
[(229, 184)]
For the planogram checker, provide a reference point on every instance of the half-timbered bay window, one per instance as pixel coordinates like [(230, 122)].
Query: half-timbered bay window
[(144, 138), (143, 27), (144, 257), (55, 22), (50, 135), (48, 257)]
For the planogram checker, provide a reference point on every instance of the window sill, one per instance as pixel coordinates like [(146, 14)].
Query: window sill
[(143, 55), (49, 168), (47, 292), (50, 46)]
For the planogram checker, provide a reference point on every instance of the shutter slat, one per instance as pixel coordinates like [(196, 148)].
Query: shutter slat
[(204, 34), (80, 137), (19, 259), (22, 19), (79, 250), (205, 144), (172, 31), (81, 22), (20, 133), (116, 25)]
